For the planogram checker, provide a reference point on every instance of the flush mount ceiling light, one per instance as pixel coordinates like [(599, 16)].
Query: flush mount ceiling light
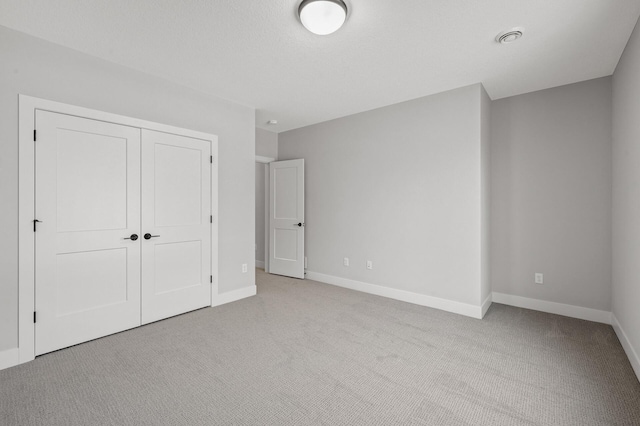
[(510, 36), (322, 17)]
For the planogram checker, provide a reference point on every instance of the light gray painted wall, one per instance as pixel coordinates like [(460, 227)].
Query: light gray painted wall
[(260, 210), (37, 68), (266, 146), (485, 191), (626, 191), (266, 143), (400, 186), (551, 194)]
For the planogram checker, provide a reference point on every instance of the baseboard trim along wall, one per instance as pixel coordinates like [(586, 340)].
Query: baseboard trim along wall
[(232, 296), (572, 311), (634, 359), (9, 358), (487, 304), (466, 309), (260, 264)]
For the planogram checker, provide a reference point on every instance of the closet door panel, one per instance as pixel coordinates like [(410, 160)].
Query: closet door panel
[(176, 209), (88, 203)]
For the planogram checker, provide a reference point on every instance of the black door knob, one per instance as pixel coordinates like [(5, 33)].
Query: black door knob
[(133, 237), (149, 236), (300, 224)]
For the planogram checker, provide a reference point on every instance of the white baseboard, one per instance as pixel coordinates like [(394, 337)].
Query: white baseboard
[(232, 296), (572, 311), (466, 309), (486, 304), (9, 358), (626, 345), (260, 264)]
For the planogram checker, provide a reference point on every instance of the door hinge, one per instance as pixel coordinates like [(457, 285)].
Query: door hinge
[(210, 278), (211, 219), (35, 221), (34, 317), (34, 135), (211, 159)]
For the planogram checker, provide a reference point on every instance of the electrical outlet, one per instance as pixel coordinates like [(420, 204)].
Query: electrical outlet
[(369, 264), (345, 261), (244, 268), (539, 278)]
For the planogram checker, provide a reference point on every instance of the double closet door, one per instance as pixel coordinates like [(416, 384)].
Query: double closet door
[(123, 230)]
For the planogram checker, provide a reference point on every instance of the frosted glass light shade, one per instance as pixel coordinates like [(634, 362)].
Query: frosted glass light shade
[(322, 17)]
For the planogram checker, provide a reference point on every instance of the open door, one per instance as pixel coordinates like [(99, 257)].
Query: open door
[(286, 218)]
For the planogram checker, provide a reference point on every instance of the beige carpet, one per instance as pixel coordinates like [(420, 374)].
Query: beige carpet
[(302, 353)]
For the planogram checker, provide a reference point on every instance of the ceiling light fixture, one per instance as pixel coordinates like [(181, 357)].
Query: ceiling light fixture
[(322, 17), (510, 36)]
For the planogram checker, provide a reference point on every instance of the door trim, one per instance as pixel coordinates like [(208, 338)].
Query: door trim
[(27, 106), (265, 160)]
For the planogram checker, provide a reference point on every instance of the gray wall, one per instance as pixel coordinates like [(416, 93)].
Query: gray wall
[(551, 194), (485, 201), (266, 143), (33, 67), (400, 186), (626, 191), (260, 210), (266, 146)]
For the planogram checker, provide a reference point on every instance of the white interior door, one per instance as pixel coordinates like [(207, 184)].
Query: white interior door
[(176, 224), (87, 275), (286, 218)]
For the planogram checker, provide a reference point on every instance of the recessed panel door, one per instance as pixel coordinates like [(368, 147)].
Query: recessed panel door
[(176, 228), (286, 218), (87, 271)]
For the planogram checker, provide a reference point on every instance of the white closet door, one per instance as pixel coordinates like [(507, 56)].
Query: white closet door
[(88, 201), (176, 228)]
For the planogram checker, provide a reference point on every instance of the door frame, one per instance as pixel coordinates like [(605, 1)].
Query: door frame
[(27, 107), (266, 160)]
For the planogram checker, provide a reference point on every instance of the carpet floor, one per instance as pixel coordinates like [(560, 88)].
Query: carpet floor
[(306, 353)]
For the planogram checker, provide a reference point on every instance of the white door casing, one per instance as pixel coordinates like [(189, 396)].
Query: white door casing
[(286, 218), (176, 209), (266, 160), (88, 199)]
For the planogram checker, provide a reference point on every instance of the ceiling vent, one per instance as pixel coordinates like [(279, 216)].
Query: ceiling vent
[(509, 36)]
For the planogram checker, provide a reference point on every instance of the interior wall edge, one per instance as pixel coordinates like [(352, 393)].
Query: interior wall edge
[(486, 304)]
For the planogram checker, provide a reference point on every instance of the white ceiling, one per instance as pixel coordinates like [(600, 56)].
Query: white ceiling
[(255, 52)]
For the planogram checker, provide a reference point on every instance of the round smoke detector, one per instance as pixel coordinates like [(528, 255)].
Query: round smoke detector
[(510, 36)]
